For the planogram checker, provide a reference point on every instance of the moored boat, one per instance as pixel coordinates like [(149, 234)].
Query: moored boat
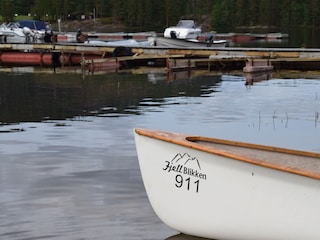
[(185, 29), (185, 35), (22, 31), (37, 28), (225, 189), (12, 33)]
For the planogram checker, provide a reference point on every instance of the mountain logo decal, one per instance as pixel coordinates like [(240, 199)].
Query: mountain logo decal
[(184, 163)]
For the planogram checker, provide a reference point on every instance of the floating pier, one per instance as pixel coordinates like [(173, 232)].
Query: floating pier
[(71, 36), (211, 58)]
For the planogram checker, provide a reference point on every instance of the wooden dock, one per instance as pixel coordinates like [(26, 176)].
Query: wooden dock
[(211, 58)]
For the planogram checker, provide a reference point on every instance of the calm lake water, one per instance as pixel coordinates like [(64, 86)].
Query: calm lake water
[(68, 165), (297, 37)]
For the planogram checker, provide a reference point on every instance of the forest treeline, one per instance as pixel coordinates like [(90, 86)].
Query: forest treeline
[(143, 15)]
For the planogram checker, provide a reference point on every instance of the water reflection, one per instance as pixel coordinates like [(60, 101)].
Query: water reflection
[(297, 37), (37, 97), (251, 78), (68, 166)]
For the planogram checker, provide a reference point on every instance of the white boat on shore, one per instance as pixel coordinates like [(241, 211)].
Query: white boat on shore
[(225, 189)]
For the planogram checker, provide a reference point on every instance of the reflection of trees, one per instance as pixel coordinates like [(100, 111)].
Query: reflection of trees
[(37, 97)]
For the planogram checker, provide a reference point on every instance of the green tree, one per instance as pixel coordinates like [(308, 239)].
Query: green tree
[(7, 10), (225, 15)]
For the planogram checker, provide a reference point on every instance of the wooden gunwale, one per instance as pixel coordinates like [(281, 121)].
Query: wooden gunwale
[(300, 167)]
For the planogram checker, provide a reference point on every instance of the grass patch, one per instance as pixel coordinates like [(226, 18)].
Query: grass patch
[(17, 18), (105, 20), (23, 17)]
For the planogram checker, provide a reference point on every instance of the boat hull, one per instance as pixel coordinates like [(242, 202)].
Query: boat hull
[(210, 195), (123, 43), (183, 43)]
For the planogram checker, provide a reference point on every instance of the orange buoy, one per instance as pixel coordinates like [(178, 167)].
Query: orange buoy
[(26, 58)]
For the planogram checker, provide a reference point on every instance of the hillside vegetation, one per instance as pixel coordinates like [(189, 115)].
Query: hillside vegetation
[(145, 15)]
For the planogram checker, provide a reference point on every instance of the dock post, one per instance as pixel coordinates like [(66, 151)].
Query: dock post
[(41, 59), (82, 61), (168, 63), (55, 57), (62, 62), (92, 65)]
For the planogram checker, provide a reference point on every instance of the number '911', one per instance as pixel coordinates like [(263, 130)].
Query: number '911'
[(187, 183)]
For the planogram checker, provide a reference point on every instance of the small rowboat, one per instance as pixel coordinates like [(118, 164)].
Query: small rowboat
[(225, 189)]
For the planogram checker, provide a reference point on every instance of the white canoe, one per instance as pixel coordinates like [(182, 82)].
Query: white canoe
[(224, 189)]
